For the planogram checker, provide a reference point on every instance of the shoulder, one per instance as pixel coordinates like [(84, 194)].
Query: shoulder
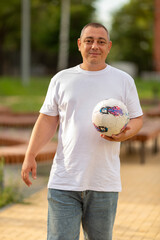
[(119, 72), (121, 75), (67, 71), (64, 74)]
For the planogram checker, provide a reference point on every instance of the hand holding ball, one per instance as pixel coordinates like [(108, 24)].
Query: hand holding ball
[(110, 117)]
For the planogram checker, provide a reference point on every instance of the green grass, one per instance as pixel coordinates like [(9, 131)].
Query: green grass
[(148, 89), (14, 87), (22, 103), (30, 98), (20, 98), (9, 195)]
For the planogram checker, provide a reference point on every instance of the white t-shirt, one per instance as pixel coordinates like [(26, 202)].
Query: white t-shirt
[(84, 160)]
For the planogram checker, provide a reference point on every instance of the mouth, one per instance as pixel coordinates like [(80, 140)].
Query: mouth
[(94, 54)]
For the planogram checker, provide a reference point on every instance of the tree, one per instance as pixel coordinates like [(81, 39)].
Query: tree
[(25, 41), (45, 29), (132, 34), (46, 18), (64, 35), (9, 31), (78, 11), (81, 14)]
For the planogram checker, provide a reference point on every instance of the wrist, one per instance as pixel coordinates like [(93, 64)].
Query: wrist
[(30, 155)]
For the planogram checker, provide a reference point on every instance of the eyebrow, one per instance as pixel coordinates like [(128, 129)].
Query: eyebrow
[(100, 38)]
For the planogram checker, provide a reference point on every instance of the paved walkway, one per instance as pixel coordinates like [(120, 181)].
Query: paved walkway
[(138, 216)]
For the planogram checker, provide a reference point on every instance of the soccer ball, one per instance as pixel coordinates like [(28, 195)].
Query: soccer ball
[(110, 116)]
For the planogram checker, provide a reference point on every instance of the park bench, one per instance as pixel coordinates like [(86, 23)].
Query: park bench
[(4, 110), (16, 153), (154, 112), (18, 119), (14, 136), (149, 131)]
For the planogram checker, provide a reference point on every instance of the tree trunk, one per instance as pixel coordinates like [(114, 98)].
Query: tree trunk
[(25, 44), (64, 35)]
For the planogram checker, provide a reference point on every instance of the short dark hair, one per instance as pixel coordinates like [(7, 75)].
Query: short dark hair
[(95, 25)]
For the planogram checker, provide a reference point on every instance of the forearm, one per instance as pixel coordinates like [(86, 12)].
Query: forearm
[(134, 126), (43, 131)]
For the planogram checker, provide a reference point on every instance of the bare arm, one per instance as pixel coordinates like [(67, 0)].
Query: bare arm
[(132, 129), (43, 131)]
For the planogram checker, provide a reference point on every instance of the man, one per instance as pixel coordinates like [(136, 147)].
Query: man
[(85, 176)]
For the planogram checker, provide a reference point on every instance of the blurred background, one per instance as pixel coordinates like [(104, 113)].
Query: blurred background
[(39, 38), (132, 26)]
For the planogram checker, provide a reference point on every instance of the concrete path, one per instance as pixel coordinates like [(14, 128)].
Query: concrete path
[(138, 215)]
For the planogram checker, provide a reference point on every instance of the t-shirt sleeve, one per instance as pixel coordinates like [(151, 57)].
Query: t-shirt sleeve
[(50, 106), (132, 102)]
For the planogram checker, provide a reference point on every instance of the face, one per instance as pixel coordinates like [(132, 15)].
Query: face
[(94, 46)]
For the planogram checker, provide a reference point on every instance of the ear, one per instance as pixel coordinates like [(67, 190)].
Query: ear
[(79, 44), (109, 46)]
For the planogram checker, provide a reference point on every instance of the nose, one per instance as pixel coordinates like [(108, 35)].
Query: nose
[(95, 45)]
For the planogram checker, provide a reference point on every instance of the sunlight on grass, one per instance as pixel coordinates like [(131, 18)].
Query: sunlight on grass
[(14, 87), (21, 98), (30, 98)]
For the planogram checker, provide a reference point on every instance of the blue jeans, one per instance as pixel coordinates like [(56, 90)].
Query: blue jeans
[(67, 209)]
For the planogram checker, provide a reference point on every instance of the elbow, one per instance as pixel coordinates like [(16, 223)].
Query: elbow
[(141, 121)]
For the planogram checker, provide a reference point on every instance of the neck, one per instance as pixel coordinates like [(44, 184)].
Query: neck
[(93, 67)]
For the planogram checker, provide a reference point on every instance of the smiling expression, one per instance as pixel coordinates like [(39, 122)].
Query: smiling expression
[(94, 46)]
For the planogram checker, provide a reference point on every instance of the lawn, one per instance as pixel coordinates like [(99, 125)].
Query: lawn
[(148, 89), (23, 98), (30, 98)]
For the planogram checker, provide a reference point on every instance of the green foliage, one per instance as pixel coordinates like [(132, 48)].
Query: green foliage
[(81, 14), (45, 26), (132, 33), (9, 24), (9, 30), (1, 174), (46, 18), (9, 195)]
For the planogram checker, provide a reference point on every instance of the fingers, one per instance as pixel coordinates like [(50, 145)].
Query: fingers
[(126, 128), (29, 166), (107, 138), (34, 173), (25, 177), (114, 138)]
